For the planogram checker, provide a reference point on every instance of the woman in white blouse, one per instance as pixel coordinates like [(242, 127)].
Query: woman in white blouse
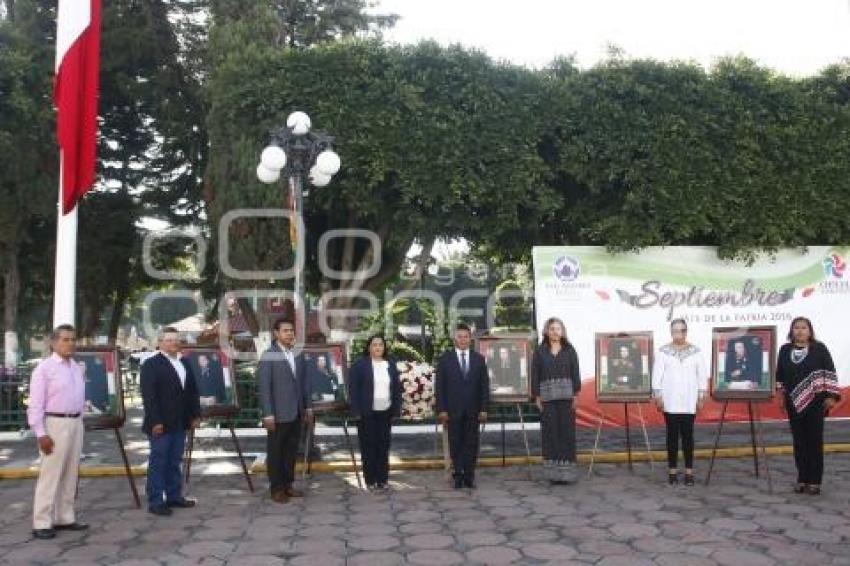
[(679, 383), (375, 399)]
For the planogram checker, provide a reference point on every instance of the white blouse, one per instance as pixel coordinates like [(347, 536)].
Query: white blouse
[(679, 377), (381, 385)]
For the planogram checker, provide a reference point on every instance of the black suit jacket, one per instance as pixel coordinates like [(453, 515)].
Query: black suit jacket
[(361, 383), (166, 402), (457, 395)]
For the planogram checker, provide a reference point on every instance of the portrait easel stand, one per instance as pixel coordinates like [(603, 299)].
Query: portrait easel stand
[(128, 472), (309, 433), (755, 434), (190, 445), (628, 435)]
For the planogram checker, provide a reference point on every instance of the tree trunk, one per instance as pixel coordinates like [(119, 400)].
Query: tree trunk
[(122, 293), (11, 294)]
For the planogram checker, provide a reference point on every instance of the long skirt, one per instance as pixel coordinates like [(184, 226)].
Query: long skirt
[(558, 431)]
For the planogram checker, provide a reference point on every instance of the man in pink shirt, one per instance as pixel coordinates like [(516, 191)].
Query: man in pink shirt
[(57, 401)]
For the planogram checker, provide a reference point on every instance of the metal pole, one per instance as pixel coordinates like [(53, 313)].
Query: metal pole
[(296, 193)]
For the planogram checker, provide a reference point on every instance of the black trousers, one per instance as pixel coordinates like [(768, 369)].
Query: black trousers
[(281, 453), (463, 444), (680, 425), (373, 431), (807, 431)]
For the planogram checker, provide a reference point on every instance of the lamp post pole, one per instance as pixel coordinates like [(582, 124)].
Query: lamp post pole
[(297, 152)]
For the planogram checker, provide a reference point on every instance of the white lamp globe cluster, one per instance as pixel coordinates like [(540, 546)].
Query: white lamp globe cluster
[(273, 158)]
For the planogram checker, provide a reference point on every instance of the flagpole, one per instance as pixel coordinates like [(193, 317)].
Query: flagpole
[(65, 276)]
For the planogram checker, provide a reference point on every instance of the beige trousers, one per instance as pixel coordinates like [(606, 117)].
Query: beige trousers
[(56, 488)]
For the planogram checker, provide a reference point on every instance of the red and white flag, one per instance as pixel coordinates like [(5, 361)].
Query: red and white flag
[(75, 92)]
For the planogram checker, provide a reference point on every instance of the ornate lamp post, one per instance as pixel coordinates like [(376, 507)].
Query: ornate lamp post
[(296, 152)]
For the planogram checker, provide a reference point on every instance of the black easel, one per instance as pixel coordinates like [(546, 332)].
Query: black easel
[(191, 446), (628, 436), (755, 433), (309, 433)]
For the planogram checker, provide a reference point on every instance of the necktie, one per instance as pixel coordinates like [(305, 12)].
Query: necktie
[(463, 363)]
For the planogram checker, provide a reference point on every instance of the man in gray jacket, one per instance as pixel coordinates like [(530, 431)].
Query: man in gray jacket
[(285, 402)]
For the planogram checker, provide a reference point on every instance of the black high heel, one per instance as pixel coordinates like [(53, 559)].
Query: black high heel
[(801, 488), (689, 480)]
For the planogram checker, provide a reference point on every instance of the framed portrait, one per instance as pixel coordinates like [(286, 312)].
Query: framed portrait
[(327, 374), (742, 362), (213, 371), (508, 362), (104, 394), (624, 366)]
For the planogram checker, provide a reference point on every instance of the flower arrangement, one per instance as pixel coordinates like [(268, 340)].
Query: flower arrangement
[(417, 395)]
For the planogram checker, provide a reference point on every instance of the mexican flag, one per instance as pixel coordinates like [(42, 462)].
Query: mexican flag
[(75, 95)]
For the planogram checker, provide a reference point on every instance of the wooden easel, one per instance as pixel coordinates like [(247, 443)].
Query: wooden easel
[(628, 436), (309, 433), (755, 434), (190, 445)]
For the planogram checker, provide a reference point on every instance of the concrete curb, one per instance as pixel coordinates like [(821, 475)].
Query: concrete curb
[(436, 464)]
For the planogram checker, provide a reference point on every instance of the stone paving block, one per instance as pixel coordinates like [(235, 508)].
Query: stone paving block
[(482, 538), (548, 551), (429, 541), (732, 525), (376, 559), (734, 557), (493, 555), (375, 542), (683, 560), (435, 557)]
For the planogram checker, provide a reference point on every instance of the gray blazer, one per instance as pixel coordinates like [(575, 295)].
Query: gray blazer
[(282, 393)]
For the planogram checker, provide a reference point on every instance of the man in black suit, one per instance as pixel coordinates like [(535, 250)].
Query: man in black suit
[(463, 391), (172, 406)]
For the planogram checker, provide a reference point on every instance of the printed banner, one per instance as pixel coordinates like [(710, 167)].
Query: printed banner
[(594, 291)]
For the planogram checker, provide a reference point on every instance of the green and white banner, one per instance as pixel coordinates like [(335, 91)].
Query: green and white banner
[(595, 291)]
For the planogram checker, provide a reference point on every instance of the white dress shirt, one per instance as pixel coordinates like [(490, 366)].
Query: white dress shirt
[(679, 378), (466, 357), (381, 385), (178, 367)]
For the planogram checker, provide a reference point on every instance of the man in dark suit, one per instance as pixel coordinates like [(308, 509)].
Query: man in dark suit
[(172, 406), (284, 392), (463, 391)]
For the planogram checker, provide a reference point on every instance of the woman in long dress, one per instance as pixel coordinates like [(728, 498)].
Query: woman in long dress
[(805, 374), (555, 384)]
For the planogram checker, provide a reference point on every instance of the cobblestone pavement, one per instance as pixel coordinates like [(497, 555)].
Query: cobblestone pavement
[(615, 517)]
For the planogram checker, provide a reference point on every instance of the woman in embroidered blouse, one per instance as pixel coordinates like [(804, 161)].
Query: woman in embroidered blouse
[(679, 384), (555, 384), (375, 399), (806, 377)]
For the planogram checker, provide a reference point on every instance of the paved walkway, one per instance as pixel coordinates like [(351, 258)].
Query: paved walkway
[(616, 517), (214, 452)]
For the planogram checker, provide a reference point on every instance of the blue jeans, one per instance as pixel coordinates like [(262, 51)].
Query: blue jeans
[(164, 476)]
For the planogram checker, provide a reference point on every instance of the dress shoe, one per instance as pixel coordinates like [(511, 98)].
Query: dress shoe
[(469, 483), (458, 483), (292, 492), (75, 526), (43, 534), (160, 510), (280, 497), (182, 503)]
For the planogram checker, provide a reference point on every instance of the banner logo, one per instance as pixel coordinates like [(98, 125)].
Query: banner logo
[(834, 266), (567, 269)]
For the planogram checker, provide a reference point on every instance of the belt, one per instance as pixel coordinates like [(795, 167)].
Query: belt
[(63, 415)]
